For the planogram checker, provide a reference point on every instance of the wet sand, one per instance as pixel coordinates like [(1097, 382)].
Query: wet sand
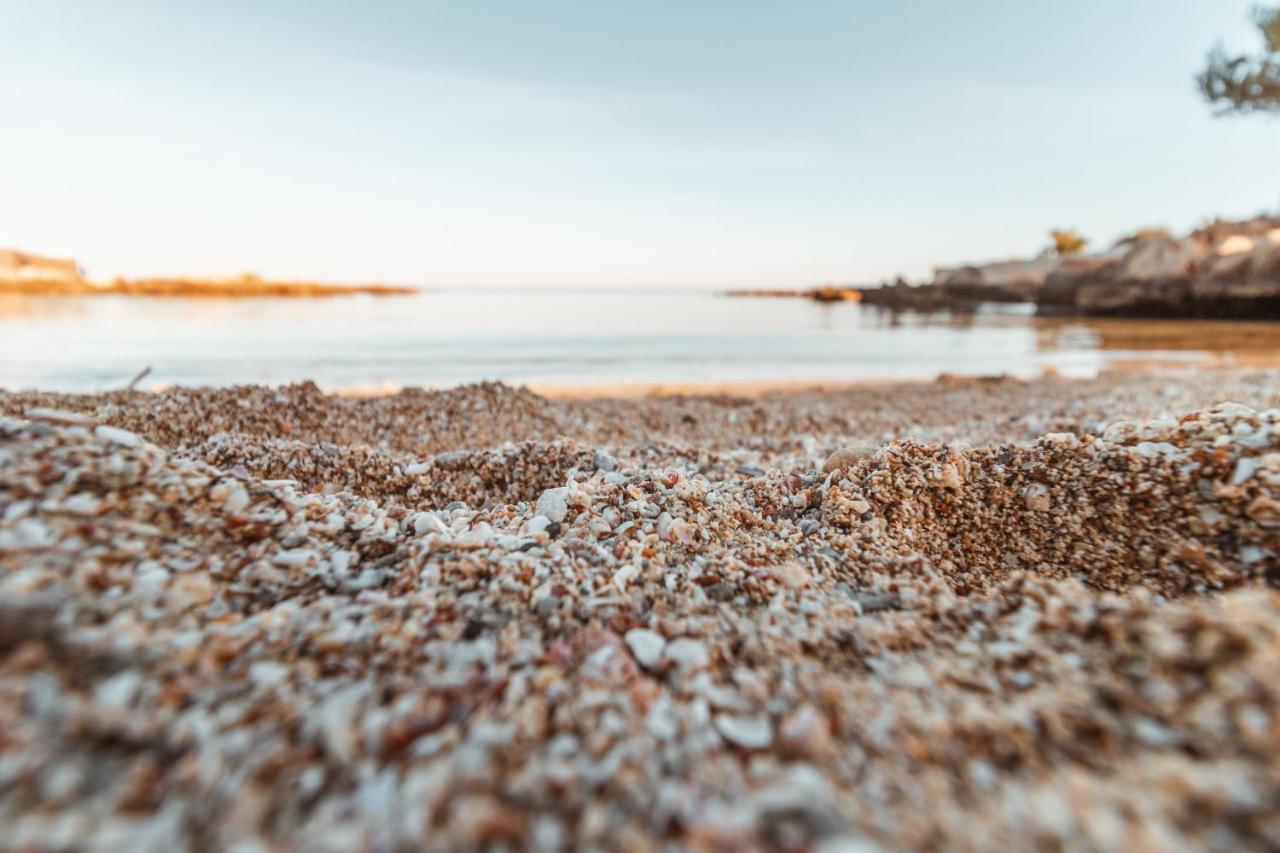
[(955, 615)]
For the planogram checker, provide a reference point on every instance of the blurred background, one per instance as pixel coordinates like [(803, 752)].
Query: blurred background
[(566, 193)]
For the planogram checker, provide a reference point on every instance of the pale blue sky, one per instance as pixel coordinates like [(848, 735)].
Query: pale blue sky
[(590, 143)]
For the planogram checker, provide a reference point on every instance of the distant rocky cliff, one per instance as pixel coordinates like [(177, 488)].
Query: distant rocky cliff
[(25, 273), (1226, 269), (24, 266), (1223, 270)]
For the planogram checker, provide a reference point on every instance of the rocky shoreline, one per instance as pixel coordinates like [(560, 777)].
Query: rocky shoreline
[(965, 614), (27, 274), (1225, 270)]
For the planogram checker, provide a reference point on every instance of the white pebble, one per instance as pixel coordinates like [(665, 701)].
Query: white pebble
[(748, 732), (429, 522), (647, 646), (115, 435), (687, 654), (554, 504)]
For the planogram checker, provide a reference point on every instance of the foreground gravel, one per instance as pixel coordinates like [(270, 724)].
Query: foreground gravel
[(961, 615)]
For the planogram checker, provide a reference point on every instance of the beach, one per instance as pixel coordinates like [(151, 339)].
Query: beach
[(958, 614)]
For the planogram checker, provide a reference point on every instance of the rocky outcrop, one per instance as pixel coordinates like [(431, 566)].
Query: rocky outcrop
[(901, 296), (1001, 281), (1224, 270), (24, 266)]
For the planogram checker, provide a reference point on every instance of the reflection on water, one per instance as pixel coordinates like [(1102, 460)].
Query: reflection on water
[(1217, 337), (572, 338)]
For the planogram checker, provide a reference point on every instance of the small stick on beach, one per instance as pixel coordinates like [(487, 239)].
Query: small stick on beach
[(142, 374)]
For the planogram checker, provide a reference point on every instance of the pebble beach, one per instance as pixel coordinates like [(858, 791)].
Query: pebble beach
[(964, 614)]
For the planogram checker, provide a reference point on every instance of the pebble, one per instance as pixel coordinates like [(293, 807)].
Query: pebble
[(748, 732), (46, 414), (687, 654), (847, 456), (553, 504), (285, 639), (647, 646), (117, 436)]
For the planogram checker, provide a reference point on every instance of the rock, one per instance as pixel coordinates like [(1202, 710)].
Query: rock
[(1265, 511), (1036, 498), (1061, 287), (114, 435), (646, 646), (1159, 259), (687, 654), (59, 416), (847, 844), (429, 522), (748, 732), (683, 532), (237, 499), (1226, 270), (118, 692), (1002, 281), (846, 456), (805, 733), (791, 575), (554, 504)]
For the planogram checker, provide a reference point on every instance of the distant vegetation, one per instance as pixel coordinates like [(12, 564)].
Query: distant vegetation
[(1067, 242), (1144, 234), (1246, 83), (246, 286)]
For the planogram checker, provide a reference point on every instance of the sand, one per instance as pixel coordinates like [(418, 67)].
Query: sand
[(956, 615)]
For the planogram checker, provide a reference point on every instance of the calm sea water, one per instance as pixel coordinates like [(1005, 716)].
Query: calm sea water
[(445, 337)]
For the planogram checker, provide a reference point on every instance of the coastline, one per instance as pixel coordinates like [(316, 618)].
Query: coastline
[(249, 287)]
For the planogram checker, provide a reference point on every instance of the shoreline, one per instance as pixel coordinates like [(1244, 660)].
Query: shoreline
[(752, 388), (249, 287)]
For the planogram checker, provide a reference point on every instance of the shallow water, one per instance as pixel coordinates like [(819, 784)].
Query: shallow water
[(566, 338)]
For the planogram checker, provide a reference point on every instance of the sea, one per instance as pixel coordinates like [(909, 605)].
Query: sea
[(572, 338)]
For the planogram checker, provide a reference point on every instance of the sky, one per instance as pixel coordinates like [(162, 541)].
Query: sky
[(556, 143)]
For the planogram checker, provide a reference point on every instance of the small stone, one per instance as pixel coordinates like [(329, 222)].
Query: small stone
[(805, 733), (846, 456), (1036, 498), (237, 499), (647, 646), (1264, 511), (114, 435), (429, 522), (546, 606), (791, 575), (683, 532), (687, 654), (748, 732), (1246, 467), (554, 504), (118, 692), (59, 416)]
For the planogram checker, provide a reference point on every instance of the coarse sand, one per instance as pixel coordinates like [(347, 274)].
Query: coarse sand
[(961, 615)]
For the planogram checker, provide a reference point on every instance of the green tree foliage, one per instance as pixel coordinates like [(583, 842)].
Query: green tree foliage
[(1067, 242), (1241, 84)]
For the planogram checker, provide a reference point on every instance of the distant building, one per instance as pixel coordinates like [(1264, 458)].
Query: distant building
[(23, 266)]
